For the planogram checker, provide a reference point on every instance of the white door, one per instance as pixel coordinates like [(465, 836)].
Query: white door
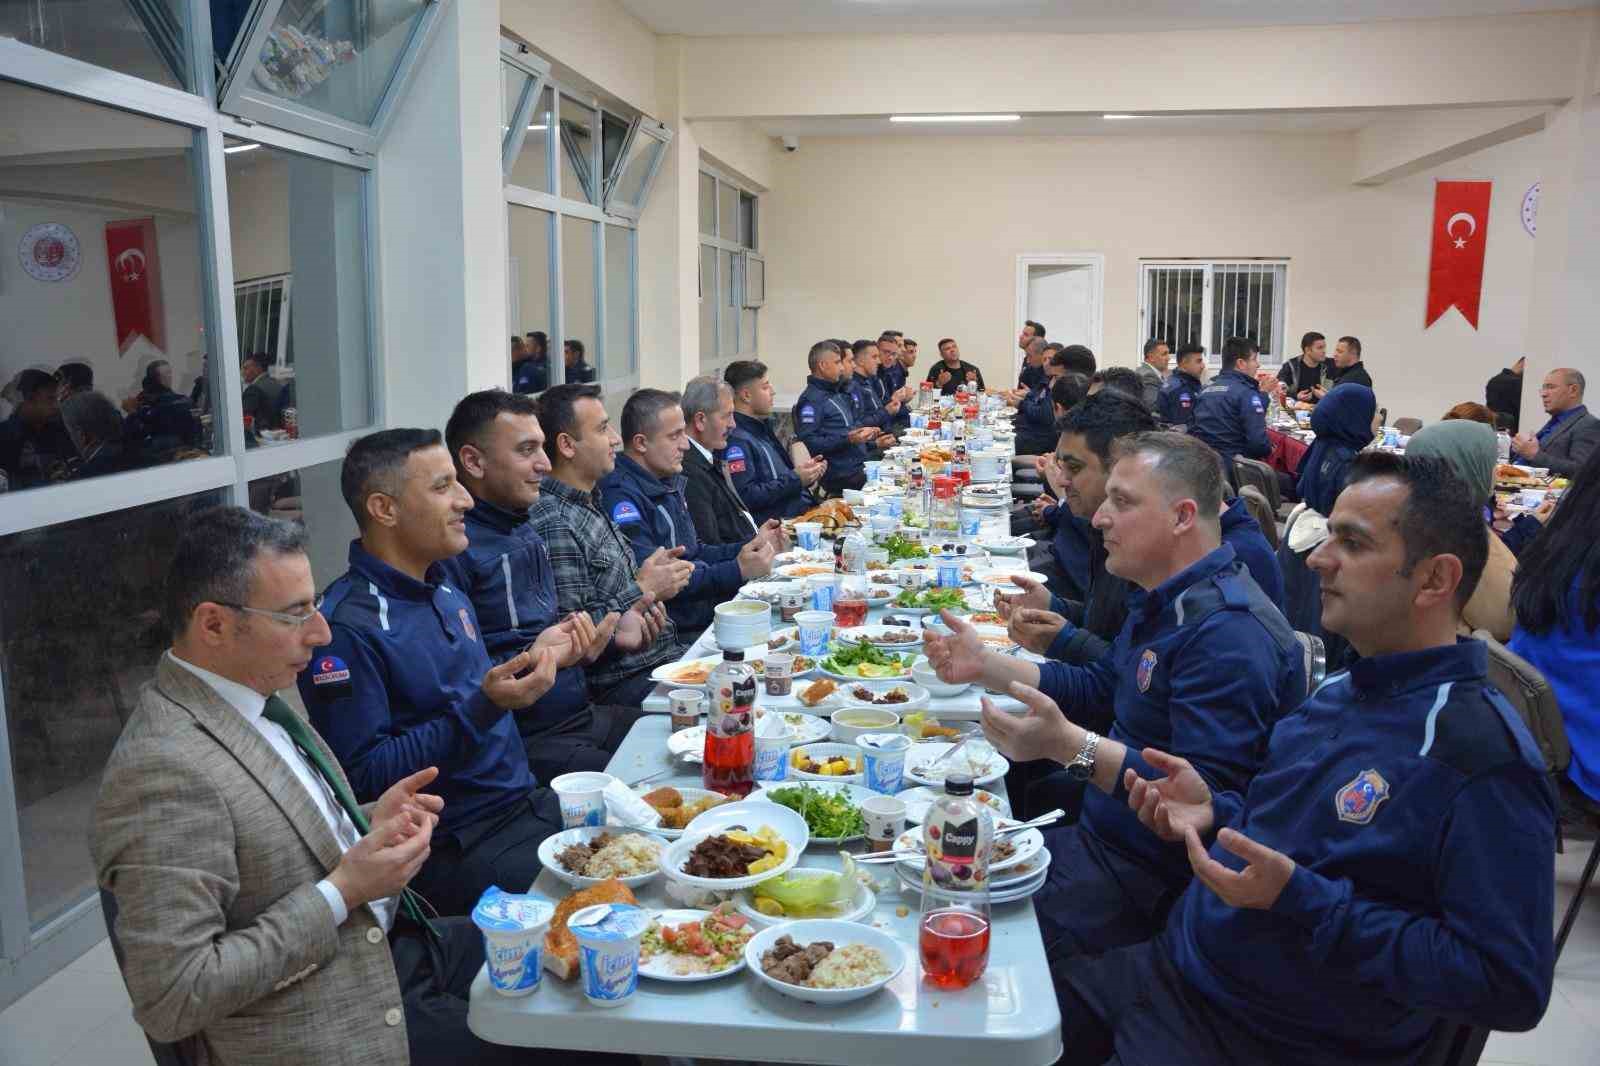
[(1063, 293)]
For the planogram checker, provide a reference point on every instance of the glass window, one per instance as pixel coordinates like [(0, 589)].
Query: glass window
[(708, 205), (312, 497), (78, 643), (642, 155), (301, 221), (727, 211), (146, 38), (747, 331), (620, 357), (613, 132), (512, 83), (708, 305), (755, 281), (580, 309), (532, 168), (747, 220), (578, 180), (728, 337), (103, 349), (529, 299)]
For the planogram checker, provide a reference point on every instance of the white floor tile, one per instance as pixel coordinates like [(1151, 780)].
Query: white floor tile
[(40, 1026), (119, 1042), (1565, 1036)]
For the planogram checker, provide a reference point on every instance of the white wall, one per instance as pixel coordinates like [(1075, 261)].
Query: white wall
[(598, 39), (258, 217), (958, 211)]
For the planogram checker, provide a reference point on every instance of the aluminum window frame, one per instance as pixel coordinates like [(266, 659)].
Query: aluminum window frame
[(743, 347), (520, 57), (650, 129), (1209, 268)]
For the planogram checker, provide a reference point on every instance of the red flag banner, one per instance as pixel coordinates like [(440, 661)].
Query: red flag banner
[(134, 264), (1460, 237)]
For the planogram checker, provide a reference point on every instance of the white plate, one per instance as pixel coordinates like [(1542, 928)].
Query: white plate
[(996, 638), (904, 675), (664, 672), (1008, 893), (659, 967), (752, 814), (801, 571), (1029, 843), (917, 696), (803, 555), (861, 907), (841, 934), (552, 844), (919, 799), (997, 578), (690, 744), (819, 752), (921, 756), (874, 635), (688, 793), (1005, 545), (767, 591), (858, 794)]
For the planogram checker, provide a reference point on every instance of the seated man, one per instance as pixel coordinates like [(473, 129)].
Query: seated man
[(644, 497), (1390, 869), (763, 473), (1305, 379), (951, 371), (403, 681), (261, 920), (498, 448), (720, 516), (824, 420), (1035, 423), (593, 561), (1565, 441), (34, 444), (1231, 413), (1030, 341), (96, 427), (873, 407), (1175, 403), (1203, 664)]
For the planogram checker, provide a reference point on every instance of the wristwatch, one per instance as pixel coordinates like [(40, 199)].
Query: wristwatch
[(1081, 768)]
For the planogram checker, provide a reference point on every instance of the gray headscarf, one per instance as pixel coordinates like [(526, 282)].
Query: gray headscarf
[(1469, 447)]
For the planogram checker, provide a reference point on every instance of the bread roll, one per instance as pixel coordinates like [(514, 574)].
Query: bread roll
[(666, 796), (560, 946)]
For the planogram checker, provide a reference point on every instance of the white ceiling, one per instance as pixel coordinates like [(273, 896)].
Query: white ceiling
[(1303, 122), (720, 17)]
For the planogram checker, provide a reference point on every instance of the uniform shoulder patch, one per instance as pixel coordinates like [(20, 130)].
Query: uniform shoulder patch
[(733, 452), (329, 670), (1255, 401), (808, 413), (625, 512), (466, 624), (1358, 802)]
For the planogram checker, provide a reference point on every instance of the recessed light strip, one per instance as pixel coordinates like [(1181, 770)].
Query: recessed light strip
[(954, 118), (1119, 117), (250, 147)]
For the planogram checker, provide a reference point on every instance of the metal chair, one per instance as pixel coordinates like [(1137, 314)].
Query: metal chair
[(1407, 426), (1255, 473), (1262, 512), (1316, 659), (165, 1054)]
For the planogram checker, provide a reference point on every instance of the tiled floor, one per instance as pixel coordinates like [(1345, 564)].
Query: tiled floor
[(80, 1017)]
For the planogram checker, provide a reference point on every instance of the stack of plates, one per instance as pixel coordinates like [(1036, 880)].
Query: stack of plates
[(1004, 887)]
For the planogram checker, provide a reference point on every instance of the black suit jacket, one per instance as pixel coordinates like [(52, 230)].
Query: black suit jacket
[(720, 517)]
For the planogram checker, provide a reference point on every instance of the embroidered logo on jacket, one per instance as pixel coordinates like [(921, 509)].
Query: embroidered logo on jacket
[(1147, 669), (808, 413), (624, 512), (1358, 801), (734, 457), (466, 624), (330, 671)]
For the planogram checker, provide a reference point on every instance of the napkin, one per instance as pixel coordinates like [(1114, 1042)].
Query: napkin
[(628, 809)]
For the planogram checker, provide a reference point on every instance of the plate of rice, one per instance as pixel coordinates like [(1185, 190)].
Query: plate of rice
[(591, 854), (823, 960)]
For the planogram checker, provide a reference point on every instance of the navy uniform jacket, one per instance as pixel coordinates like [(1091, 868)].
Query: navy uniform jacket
[(1422, 821), (1231, 416), (1036, 422), (762, 472), (1175, 401), (652, 514), (869, 402), (1240, 528), (892, 377), (1031, 377), (400, 688), (823, 419), (506, 573), (1204, 667)]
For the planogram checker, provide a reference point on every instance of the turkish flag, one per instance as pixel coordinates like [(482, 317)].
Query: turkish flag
[(1460, 237), (134, 265)]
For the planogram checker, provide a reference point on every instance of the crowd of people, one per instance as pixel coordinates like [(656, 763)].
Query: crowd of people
[(1250, 870)]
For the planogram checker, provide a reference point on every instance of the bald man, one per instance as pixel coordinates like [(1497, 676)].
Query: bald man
[(1564, 442)]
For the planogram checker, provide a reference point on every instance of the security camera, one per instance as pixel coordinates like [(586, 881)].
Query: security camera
[(791, 143)]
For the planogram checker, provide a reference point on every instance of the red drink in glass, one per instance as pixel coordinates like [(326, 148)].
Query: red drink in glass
[(955, 947), (848, 614), (729, 763)]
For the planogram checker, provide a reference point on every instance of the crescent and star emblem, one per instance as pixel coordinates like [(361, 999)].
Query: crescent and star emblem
[(1461, 216), (131, 264)]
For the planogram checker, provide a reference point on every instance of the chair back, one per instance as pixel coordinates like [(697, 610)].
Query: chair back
[(1407, 426), (1526, 689), (1254, 473), (1262, 512), (1316, 659), (165, 1054)]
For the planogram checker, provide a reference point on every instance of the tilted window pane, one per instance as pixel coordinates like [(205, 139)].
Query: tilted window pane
[(338, 58), (528, 282), (580, 318), (728, 212), (578, 179), (145, 38), (532, 168), (312, 497), (641, 157), (747, 220), (102, 338), (613, 131), (620, 357)]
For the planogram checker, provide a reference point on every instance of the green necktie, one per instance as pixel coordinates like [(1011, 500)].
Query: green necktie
[(299, 732)]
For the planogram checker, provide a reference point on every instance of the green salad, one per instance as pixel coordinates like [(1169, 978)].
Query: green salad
[(864, 660), (903, 548), (934, 599), (827, 814)]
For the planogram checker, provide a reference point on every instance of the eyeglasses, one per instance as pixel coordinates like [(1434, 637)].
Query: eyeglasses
[(279, 616)]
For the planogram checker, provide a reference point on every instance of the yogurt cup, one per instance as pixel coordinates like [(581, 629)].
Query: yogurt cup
[(809, 535), (883, 761), (583, 798), (513, 929), (772, 749), (823, 587), (608, 936), (815, 629)]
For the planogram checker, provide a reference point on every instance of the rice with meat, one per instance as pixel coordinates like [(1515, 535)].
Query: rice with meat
[(628, 855), (850, 966)]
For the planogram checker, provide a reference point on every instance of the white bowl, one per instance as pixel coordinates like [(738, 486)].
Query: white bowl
[(922, 672), (742, 623), (856, 794), (552, 844), (841, 934), (820, 752), (883, 719), (753, 814), (861, 907), (918, 696)]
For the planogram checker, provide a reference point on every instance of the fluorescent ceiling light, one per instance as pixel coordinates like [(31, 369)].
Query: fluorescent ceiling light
[(1117, 117), (954, 118), (252, 146), (538, 127)]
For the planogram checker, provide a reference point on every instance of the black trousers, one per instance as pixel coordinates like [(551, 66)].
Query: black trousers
[(436, 977), (630, 692), (585, 741), (1095, 899), (502, 849)]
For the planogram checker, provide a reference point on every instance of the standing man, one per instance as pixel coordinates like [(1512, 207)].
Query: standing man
[(1032, 366), (593, 561), (1348, 367), (261, 392), (1231, 413), (1036, 416), (1175, 404), (1562, 444), (644, 497), (720, 516), (1153, 371), (908, 356), (1390, 869), (498, 448), (763, 473), (952, 371), (261, 918), (1503, 395), (403, 681), (1303, 377), (824, 421)]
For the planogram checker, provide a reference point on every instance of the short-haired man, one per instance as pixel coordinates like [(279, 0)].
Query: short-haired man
[(73, 378), (824, 420), (95, 426), (1303, 376), (1119, 379), (33, 442), (1152, 371), (763, 473), (1565, 441), (261, 391), (1035, 423), (952, 372), (1079, 359), (1502, 394), (593, 560), (891, 371), (404, 681), (643, 495), (1231, 413), (577, 371), (498, 447), (873, 408), (259, 917), (1032, 371), (1348, 367), (1175, 404), (1390, 869), (1204, 664), (720, 516)]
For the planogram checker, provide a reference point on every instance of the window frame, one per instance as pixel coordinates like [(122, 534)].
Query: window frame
[(743, 255), (1209, 268), (650, 129), (520, 58)]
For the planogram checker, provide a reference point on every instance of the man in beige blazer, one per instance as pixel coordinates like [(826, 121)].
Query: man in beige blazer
[(259, 925)]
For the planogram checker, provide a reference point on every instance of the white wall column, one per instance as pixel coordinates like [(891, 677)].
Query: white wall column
[(669, 246)]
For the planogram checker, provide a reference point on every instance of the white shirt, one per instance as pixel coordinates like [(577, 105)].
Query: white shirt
[(251, 704)]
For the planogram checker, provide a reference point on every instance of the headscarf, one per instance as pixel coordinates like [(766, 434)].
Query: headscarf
[(1342, 422), (1469, 447)]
